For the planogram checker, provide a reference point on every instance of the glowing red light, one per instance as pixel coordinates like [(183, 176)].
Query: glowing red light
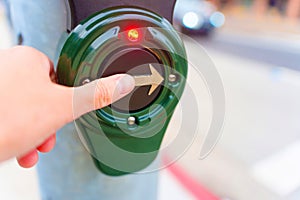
[(133, 35)]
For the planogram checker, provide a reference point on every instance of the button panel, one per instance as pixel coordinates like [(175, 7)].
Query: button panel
[(136, 62)]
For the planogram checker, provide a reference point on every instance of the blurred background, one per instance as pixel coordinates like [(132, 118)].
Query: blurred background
[(255, 45)]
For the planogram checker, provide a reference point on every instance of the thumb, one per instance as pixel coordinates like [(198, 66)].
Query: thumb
[(100, 93)]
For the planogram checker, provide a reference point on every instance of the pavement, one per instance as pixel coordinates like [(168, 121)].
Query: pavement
[(262, 124)]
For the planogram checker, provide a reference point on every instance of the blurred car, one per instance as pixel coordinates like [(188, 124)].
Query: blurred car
[(197, 16)]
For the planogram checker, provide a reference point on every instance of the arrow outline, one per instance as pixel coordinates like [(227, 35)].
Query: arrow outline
[(154, 79)]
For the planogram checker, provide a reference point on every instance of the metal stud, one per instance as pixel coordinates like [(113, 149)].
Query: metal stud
[(131, 121), (172, 78), (86, 81)]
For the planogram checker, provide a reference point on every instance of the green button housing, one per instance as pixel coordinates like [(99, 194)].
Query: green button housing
[(117, 147)]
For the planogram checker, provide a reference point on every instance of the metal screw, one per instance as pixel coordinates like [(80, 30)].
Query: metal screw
[(172, 78), (131, 121), (86, 81)]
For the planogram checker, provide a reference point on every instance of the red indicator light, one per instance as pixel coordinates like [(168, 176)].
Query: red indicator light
[(133, 35)]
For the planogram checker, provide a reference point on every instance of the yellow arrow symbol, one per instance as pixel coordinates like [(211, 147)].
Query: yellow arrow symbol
[(155, 79)]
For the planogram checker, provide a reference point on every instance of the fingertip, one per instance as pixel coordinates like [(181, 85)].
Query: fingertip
[(100, 93), (28, 160), (48, 145), (112, 88), (125, 84)]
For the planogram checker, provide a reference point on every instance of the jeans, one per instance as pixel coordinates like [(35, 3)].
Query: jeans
[(68, 172)]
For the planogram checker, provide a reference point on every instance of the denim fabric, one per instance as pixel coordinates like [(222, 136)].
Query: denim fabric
[(68, 172)]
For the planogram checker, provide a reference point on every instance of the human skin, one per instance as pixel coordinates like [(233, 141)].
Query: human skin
[(33, 106)]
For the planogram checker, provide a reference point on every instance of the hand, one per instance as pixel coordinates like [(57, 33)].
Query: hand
[(33, 107)]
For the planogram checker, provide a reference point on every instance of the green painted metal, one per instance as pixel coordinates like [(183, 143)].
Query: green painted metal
[(82, 57)]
